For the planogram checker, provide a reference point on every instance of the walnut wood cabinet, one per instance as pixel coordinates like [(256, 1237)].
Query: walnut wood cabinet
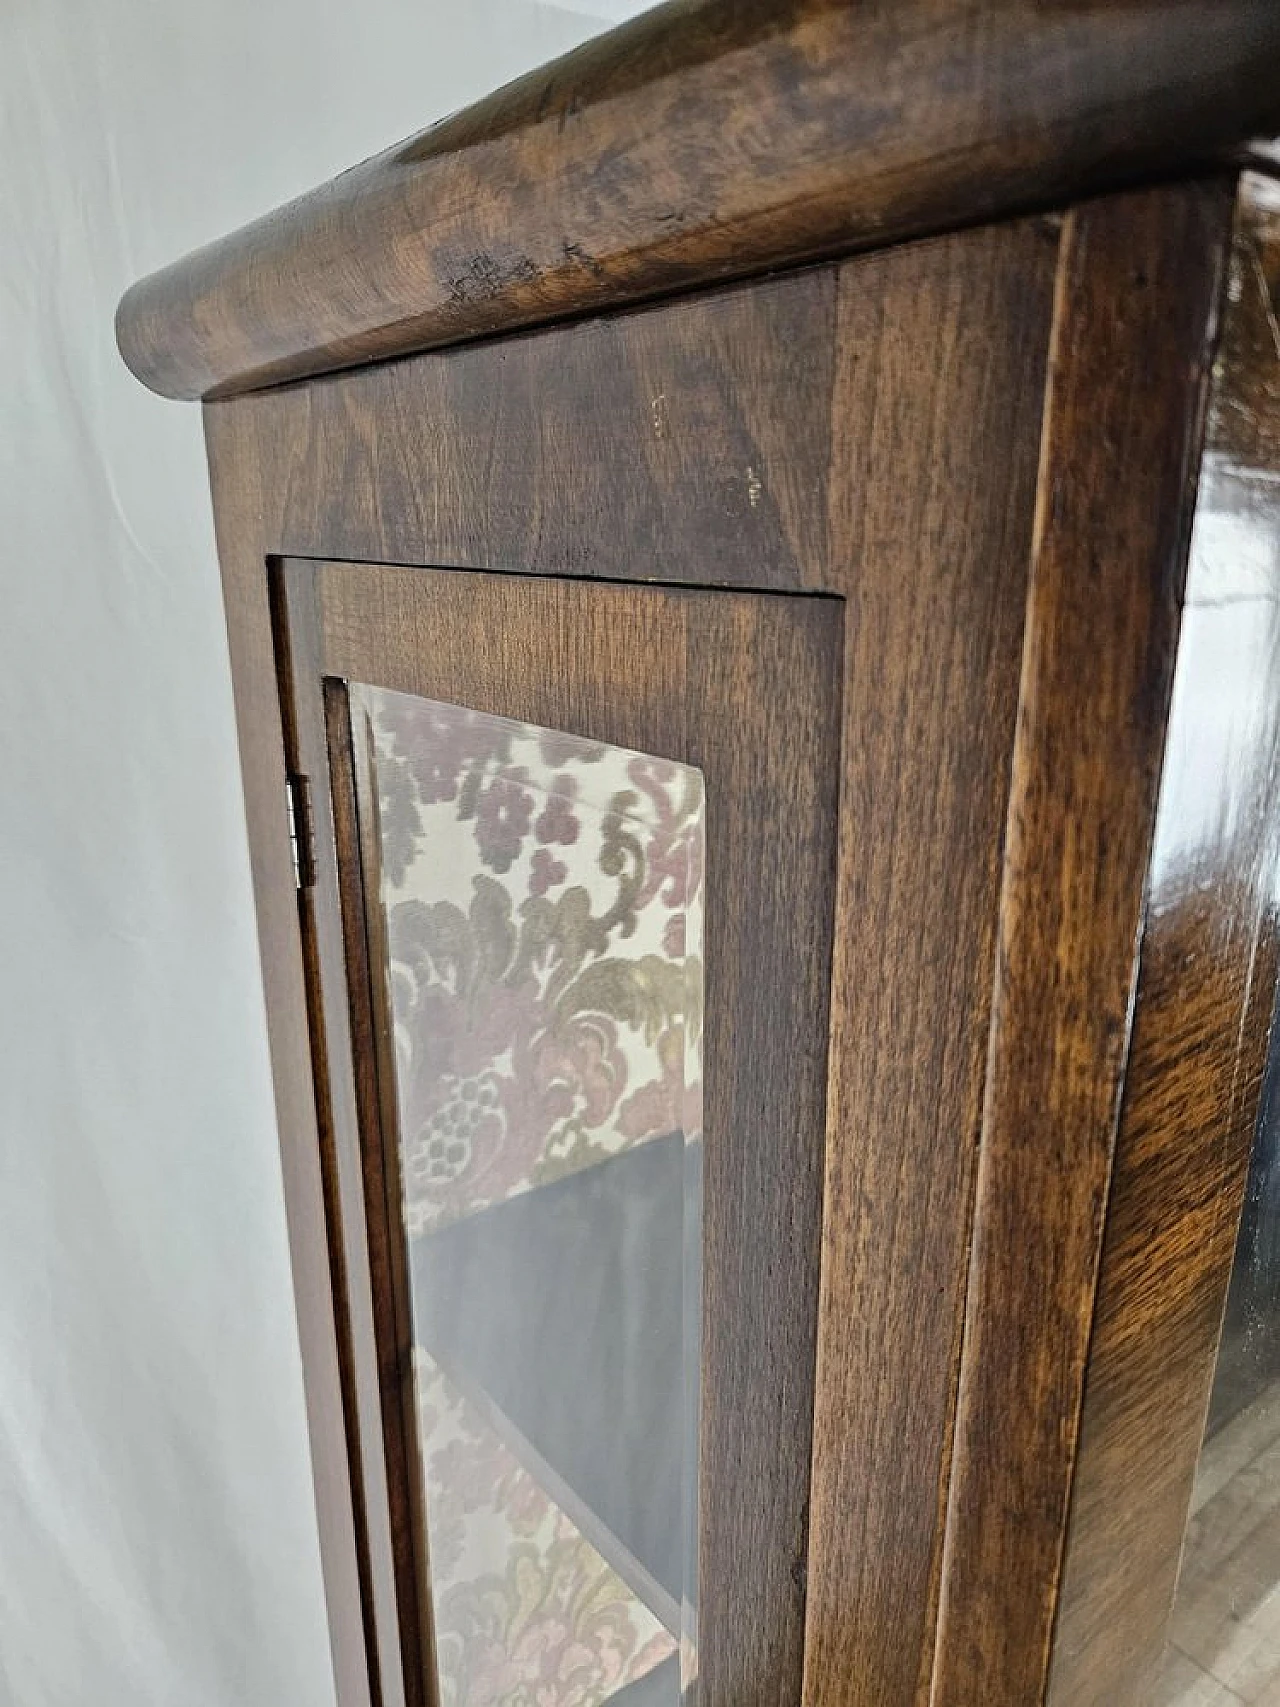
[(752, 564)]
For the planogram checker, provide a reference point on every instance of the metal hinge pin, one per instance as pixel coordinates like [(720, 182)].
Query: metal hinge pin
[(297, 795)]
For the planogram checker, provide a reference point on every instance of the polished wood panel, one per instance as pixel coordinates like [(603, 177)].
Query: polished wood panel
[(710, 679), (1137, 292), (245, 527), (1204, 1005), (742, 452), (706, 139), (688, 444), (930, 526)]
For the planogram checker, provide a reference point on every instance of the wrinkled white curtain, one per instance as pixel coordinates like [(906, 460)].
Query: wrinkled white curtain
[(157, 1530)]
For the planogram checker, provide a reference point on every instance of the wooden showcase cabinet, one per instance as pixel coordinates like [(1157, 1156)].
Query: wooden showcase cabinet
[(752, 561)]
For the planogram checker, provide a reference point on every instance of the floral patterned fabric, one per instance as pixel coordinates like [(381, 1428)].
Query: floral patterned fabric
[(543, 906), (543, 903), (527, 1612)]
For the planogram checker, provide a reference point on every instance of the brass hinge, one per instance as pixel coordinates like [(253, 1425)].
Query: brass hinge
[(297, 796)]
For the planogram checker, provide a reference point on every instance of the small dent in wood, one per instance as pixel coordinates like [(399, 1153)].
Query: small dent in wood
[(485, 277), (579, 256)]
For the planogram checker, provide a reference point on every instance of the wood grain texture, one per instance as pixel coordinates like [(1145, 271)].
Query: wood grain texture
[(708, 139), (239, 519), (1137, 293), (711, 679), (538, 471), (868, 430), (931, 517), (340, 1072), (1204, 1004), (687, 443)]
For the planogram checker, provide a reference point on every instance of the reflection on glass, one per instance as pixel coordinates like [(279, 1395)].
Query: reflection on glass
[(541, 901), (1224, 1638)]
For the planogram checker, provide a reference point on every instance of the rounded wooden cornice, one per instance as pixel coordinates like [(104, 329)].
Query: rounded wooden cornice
[(708, 140)]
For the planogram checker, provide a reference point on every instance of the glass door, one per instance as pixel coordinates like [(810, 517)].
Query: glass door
[(537, 904), (574, 857)]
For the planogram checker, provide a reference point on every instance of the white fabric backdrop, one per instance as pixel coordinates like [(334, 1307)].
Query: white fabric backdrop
[(157, 1530)]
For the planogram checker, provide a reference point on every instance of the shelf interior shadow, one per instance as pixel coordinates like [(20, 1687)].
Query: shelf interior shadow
[(561, 1314)]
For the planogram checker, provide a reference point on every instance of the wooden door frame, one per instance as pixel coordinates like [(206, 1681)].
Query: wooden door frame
[(716, 679)]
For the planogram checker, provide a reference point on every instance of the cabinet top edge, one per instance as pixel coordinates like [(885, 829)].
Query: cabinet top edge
[(702, 141)]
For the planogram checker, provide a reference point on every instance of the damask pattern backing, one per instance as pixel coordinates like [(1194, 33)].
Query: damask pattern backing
[(542, 907)]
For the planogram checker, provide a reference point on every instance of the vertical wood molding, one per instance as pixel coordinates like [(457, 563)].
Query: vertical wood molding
[(339, 1073), (1204, 1005), (941, 355), (1137, 291), (244, 506)]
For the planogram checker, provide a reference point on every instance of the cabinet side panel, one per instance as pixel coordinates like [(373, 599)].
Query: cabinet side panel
[(1205, 995), (936, 424), (1137, 292), (244, 501)]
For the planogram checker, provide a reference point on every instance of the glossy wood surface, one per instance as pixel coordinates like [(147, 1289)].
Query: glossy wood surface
[(868, 430), (1204, 1003), (1138, 290), (710, 679), (703, 140)]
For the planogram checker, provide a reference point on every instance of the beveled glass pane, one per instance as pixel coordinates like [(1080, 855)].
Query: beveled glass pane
[(541, 901)]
